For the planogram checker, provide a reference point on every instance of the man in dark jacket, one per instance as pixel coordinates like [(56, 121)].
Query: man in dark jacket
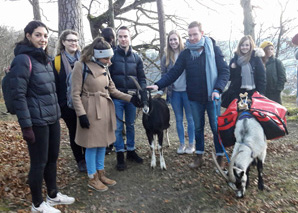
[(207, 74), (126, 63)]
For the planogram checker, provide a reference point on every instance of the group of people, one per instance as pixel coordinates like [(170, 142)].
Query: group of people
[(101, 89)]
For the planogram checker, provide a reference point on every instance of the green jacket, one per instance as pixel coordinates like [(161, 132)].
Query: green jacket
[(276, 75)]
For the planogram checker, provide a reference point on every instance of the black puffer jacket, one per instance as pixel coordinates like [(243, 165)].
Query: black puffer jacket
[(34, 94), (125, 65)]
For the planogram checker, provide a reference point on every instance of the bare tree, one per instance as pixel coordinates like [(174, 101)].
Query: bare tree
[(70, 17), (248, 22), (36, 9), (162, 27)]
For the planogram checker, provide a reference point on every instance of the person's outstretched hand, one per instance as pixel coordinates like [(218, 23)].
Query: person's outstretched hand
[(84, 122), (136, 101)]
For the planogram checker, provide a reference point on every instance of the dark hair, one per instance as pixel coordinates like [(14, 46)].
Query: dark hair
[(31, 26), (62, 38), (195, 24), (123, 28), (99, 44), (109, 35)]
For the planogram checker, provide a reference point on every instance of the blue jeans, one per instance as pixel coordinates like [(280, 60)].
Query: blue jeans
[(179, 100), (95, 159), (198, 112), (129, 109)]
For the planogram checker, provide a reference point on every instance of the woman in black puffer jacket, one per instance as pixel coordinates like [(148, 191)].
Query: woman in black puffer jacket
[(247, 73), (35, 101)]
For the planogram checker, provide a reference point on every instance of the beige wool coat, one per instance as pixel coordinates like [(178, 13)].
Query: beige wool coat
[(96, 103)]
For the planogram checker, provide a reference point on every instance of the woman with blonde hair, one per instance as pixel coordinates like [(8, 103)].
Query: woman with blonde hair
[(247, 73), (95, 109), (176, 92)]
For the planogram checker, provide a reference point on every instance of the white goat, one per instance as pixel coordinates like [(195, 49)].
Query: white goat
[(250, 145)]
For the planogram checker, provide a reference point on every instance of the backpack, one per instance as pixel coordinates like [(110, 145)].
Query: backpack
[(7, 91), (69, 83)]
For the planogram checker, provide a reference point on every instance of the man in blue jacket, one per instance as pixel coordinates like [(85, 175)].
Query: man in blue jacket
[(207, 74), (126, 63)]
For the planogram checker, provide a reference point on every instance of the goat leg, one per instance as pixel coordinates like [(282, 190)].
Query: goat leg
[(260, 175), (247, 175)]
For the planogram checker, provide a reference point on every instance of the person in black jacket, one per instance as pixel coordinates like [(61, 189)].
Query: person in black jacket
[(247, 72), (68, 52), (207, 74), (126, 63), (36, 104)]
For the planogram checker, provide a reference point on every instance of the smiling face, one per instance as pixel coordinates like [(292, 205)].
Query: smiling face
[(245, 47), (195, 35), (39, 37), (71, 43), (174, 42)]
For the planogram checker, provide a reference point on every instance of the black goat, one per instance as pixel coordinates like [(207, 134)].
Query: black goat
[(155, 121)]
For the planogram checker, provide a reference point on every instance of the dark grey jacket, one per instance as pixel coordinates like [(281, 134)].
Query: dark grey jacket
[(34, 95)]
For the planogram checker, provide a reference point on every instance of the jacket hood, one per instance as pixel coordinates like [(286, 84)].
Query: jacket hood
[(37, 53)]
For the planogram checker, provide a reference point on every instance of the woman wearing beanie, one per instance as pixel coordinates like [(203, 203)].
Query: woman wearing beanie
[(275, 73)]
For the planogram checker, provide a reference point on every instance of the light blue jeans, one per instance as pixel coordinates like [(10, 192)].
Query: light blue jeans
[(95, 159), (179, 100), (127, 108), (198, 112)]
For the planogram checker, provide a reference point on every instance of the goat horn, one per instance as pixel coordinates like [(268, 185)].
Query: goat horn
[(136, 82), (219, 168), (231, 165)]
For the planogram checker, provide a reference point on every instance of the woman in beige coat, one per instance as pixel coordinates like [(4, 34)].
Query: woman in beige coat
[(92, 88)]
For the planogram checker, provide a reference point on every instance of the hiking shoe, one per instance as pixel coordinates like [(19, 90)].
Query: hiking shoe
[(96, 184), (44, 207), (197, 163), (190, 149), (60, 199), (121, 165), (133, 156), (181, 149), (82, 166), (104, 179)]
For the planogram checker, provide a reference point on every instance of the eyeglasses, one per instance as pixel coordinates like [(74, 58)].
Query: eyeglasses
[(72, 40)]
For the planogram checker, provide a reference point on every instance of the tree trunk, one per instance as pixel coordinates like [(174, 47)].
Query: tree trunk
[(70, 17), (36, 9), (248, 22), (162, 28), (111, 15)]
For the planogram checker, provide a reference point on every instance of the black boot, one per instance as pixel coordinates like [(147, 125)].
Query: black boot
[(132, 156), (120, 161)]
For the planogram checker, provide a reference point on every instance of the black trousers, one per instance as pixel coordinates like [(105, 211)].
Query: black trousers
[(70, 118), (43, 161), (274, 96)]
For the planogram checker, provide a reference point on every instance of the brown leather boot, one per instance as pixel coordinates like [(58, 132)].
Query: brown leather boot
[(96, 184), (197, 163), (104, 179), (220, 161)]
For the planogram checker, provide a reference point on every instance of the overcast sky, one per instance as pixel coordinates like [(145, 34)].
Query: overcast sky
[(218, 21)]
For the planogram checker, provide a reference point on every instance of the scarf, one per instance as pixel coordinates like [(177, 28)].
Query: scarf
[(211, 69), (248, 82), (69, 60)]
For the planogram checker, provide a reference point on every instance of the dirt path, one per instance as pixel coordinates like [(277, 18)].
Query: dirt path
[(179, 189)]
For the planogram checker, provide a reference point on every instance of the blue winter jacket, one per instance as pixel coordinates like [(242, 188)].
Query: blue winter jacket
[(125, 65), (196, 83)]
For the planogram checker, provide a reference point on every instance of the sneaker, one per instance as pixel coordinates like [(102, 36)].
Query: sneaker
[(181, 149), (190, 149), (44, 207), (60, 199)]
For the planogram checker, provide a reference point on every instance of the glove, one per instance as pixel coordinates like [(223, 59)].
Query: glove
[(136, 101), (84, 122), (28, 134)]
